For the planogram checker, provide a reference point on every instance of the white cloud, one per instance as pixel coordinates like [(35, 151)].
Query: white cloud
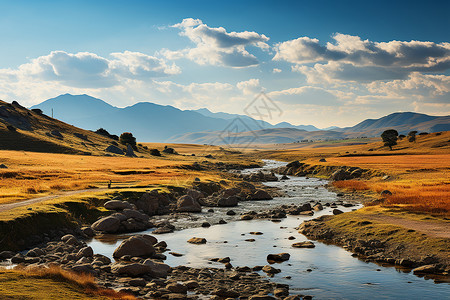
[(352, 49), (308, 95), (88, 70), (423, 88), (216, 46), (250, 87), (276, 70)]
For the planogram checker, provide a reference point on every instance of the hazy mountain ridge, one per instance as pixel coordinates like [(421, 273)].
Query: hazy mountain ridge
[(151, 122)]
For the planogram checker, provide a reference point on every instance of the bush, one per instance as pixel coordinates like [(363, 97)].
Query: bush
[(412, 136), (128, 138), (37, 110)]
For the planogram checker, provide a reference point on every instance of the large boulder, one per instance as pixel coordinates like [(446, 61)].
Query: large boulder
[(130, 151), (259, 195), (340, 174), (137, 215), (153, 203), (117, 205), (188, 204), (157, 269), (227, 201), (107, 224), (133, 269), (138, 245), (114, 149)]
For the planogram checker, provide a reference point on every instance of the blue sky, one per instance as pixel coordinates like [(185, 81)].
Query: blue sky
[(323, 62)]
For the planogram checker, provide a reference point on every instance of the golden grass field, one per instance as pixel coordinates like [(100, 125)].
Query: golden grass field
[(33, 174), (419, 171)]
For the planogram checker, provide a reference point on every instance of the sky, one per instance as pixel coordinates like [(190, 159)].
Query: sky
[(325, 63)]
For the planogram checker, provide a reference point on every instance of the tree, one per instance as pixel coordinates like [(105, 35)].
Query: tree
[(412, 136), (390, 137), (128, 138)]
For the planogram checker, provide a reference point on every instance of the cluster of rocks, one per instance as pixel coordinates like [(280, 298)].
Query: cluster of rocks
[(230, 197), (372, 249), (259, 177), (282, 211), (297, 168), (139, 270)]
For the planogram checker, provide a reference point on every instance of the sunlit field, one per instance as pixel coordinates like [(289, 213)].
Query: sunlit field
[(32, 174)]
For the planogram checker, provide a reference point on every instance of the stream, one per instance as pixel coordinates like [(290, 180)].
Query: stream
[(325, 272)]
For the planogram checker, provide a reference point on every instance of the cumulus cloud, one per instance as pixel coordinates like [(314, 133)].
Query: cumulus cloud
[(352, 49), (422, 87), (276, 70), (216, 46), (250, 87), (88, 70)]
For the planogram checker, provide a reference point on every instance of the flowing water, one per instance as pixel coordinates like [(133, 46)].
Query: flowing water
[(325, 272)]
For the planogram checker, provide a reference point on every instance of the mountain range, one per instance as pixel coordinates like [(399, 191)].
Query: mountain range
[(151, 122)]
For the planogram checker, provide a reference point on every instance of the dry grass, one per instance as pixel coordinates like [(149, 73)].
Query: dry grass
[(52, 283), (419, 171), (32, 174)]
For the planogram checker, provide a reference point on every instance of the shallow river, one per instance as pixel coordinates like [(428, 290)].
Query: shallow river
[(332, 272)]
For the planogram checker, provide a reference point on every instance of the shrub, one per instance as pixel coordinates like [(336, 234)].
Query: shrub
[(127, 138), (412, 136), (37, 110)]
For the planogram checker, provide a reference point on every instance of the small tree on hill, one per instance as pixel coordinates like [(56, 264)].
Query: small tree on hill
[(412, 136), (128, 138), (390, 137)]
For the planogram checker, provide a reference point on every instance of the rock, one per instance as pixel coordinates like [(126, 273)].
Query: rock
[(340, 174), (224, 260), (162, 230), (261, 297), (322, 160), (259, 195), (307, 244), (83, 268), (256, 233), (130, 151), (69, 239), (138, 245), (318, 207), (280, 292), (225, 293), (278, 257), (246, 217), (85, 252), (152, 202), (169, 150), (337, 211), (157, 269), (222, 221), (36, 252), (88, 231), (133, 269), (137, 215), (426, 269), (3, 166), (196, 195), (386, 193), (191, 284), (177, 288), (56, 133), (206, 225), (114, 149), (196, 240), (357, 173), (188, 204), (107, 224), (270, 270), (117, 205), (284, 177), (231, 213), (295, 164), (176, 254), (227, 201)]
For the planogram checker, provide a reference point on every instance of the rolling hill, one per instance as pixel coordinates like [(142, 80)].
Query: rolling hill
[(30, 130)]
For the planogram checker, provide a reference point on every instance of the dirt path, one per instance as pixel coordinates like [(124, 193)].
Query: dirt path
[(5, 207), (435, 229)]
